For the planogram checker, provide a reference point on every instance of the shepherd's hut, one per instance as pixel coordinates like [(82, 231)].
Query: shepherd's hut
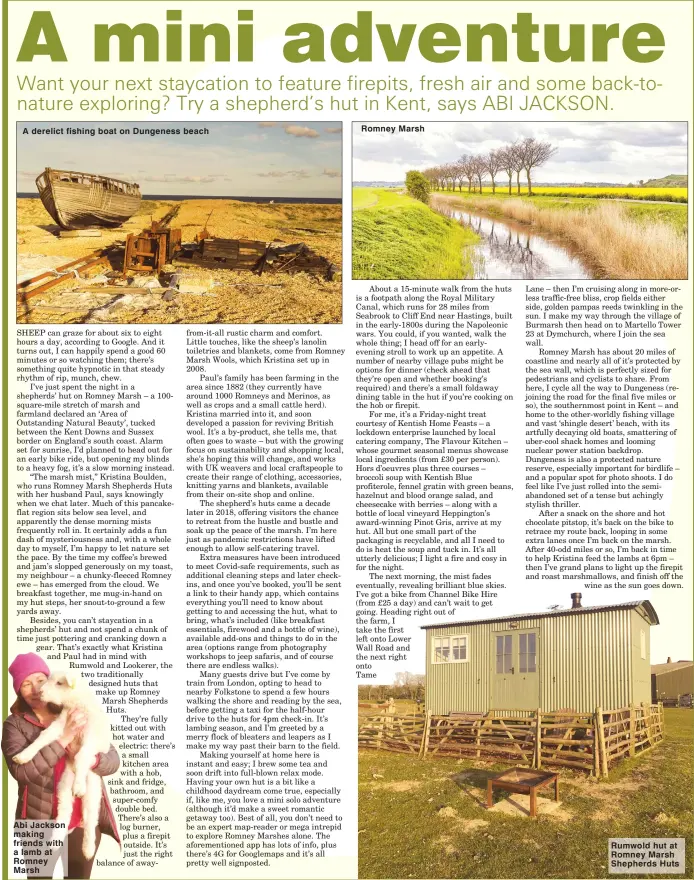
[(576, 658)]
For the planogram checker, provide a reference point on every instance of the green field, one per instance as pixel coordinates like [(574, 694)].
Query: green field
[(647, 193), (396, 237), (673, 214), (364, 197), (675, 194), (424, 818)]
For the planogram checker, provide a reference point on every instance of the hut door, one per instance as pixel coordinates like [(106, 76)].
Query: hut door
[(515, 670)]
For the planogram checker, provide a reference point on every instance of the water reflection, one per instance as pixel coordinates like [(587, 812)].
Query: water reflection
[(510, 250)]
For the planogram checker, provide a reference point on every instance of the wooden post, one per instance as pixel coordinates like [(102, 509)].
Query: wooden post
[(381, 730), (647, 722), (425, 734), (538, 740), (601, 742), (478, 725), (596, 746), (632, 730)]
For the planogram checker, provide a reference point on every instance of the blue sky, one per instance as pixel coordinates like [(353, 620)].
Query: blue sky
[(234, 159)]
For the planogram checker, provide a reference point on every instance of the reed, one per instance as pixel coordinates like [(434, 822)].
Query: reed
[(615, 245)]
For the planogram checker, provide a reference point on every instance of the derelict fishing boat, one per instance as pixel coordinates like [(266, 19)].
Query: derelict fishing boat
[(78, 200)]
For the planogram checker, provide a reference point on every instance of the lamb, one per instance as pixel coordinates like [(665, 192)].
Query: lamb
[(69, 691)]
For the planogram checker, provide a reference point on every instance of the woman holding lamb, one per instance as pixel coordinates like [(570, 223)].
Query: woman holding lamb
[(38, 779)]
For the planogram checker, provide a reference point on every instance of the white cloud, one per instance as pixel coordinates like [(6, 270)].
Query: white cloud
[(613, 152), (297, 173), (175, 178), (301, 131)]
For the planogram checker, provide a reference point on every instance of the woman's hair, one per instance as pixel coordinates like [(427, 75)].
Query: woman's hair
[(20, 706)]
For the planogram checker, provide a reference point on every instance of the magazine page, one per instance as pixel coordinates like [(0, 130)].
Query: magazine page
[(347, 445)]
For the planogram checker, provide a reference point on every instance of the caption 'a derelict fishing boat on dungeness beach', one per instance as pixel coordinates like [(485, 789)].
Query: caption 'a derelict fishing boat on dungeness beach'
[(78, 200)]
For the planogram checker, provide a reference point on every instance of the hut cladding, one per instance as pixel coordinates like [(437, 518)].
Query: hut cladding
[(577, 658)]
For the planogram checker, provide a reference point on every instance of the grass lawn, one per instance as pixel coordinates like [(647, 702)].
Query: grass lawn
[(423, 819), (402, 707), (396, 237)]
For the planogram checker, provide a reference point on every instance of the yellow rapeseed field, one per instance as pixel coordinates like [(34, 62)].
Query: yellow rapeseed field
[(668, 193), (649, 193)]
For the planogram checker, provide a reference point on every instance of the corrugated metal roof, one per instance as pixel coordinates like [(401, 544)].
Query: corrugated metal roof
[(645, 604), (659, 668)]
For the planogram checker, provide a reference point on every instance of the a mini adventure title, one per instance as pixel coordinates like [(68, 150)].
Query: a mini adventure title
[(174, 40)]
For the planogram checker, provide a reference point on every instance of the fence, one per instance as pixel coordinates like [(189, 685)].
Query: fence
[(392, 732), (591, 742)]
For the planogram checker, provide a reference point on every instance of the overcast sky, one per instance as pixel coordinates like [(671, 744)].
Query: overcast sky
[(235, 159), (618, 152)]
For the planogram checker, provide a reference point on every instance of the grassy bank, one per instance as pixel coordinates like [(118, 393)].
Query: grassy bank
[(398, 238), (427, 819), (619, 240)]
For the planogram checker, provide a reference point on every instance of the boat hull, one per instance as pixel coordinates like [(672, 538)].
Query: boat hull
[(95, 202)]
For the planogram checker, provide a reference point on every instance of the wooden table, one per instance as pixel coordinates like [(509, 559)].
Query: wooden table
[(523, 781)]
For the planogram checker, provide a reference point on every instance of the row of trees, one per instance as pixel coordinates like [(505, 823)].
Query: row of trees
[(407, 686), (522, 156)]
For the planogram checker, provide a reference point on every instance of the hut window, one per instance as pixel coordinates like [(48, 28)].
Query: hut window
[(504, 654), (643, 644), (442, 650), (450, 649), (527, 651), (459, 646)]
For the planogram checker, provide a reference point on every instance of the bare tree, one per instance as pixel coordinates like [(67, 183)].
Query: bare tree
[(518, 166), (447, 174), (494, 164), (479, 165), (508, 164), (457, 175), (413, 684), (433, 175), (516, 158), (534, 153), (468, 170)]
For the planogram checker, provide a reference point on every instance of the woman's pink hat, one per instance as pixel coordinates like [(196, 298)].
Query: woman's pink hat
[(25, 665)]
